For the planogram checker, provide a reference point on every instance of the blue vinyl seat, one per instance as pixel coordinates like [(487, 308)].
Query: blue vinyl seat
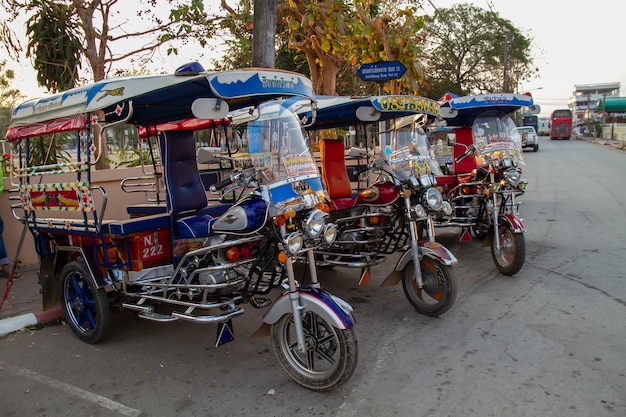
[(186, 199)]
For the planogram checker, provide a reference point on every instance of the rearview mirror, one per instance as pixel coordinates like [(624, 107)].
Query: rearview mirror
[(208, 155), (209, 108), (367, 114)]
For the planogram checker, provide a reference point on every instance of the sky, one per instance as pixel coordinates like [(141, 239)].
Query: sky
[(573, 42)]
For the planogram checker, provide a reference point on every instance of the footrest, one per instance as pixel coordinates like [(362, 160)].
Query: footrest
[(151, 315), (209, 319)]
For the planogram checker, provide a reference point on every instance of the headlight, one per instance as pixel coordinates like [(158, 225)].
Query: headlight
[(522, 185), (447, 208), (314, 224), (512, 177), (419, 211), (294, 242), (426, 181), (433, 198), (330, 233)]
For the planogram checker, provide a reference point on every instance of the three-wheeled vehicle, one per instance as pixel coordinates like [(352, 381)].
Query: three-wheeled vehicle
[(394, 211), (483, 173), (183, 256)]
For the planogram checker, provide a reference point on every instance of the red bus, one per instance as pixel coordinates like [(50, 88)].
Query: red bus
[(561, 126)]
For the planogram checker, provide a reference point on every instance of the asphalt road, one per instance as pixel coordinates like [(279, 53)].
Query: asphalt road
[(550, 341)]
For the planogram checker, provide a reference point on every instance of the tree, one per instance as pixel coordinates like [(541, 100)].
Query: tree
[(54, 45), (9, 97), (388, 32), (465, 51), (237, 29), (104, 31), (263, 42), (337, 36), (237, 26)]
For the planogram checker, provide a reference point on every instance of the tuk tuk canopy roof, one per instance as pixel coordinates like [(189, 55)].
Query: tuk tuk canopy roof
[(612, 104), (461, 111), (340, 111), (153, 99)]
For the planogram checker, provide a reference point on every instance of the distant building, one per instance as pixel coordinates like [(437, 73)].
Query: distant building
[(584, 101)]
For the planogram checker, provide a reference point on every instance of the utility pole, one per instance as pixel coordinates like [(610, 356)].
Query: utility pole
[(264, 34), (505, 82)]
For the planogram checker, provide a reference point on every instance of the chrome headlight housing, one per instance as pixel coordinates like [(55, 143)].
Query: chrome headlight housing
[(420, 211), (294, 242), (330, 233), (513, 177), (433, 198), (446, 208), (314, 224)]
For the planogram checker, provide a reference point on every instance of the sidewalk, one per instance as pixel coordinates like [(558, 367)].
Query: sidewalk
[(617, 144), (23, 305)]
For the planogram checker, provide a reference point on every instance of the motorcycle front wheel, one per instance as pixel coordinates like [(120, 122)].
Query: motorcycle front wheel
[(509, 259), (330, 355), (439, 291), (85, 306)]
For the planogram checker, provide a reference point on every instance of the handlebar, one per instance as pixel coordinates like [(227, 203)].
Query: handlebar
[(468, 151), (362, 170), (221, 184)]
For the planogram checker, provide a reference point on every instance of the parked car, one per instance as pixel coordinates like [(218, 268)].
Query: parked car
[(529, 137)]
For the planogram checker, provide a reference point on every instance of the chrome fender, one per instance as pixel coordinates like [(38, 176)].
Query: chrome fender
[(514, 222), (426, 248), (333, 309), (318, 301)]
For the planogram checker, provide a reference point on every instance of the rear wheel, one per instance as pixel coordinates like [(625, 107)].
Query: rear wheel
[(330, 355), (439, 291), (509, 259), (85, 306)]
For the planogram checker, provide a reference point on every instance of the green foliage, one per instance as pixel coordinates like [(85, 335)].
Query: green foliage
[(8, 97), (465, 51), (50, 149), (54, 44)]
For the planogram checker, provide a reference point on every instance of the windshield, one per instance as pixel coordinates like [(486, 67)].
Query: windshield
[(496, 137), (273, 141), (408, 150)]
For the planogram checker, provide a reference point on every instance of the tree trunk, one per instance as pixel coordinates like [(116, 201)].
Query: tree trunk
[(263, 40)]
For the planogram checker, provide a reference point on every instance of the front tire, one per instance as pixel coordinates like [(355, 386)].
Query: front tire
[(509, 259), (85, 306), (439, 291), (330, 356)]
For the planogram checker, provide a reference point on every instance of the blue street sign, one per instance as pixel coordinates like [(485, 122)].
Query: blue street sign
[(381, 71)]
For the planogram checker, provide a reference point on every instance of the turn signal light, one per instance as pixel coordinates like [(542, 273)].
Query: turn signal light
[(282, 257), (280, 219), (324, 207), (233, 254), (374, 220)]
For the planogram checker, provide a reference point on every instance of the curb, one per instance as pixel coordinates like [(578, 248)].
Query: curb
[(13, 324)]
